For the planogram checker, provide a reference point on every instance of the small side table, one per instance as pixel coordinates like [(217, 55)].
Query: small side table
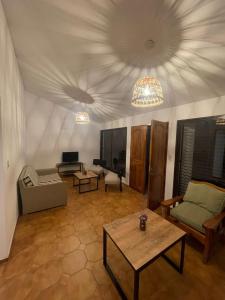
[(85, 179), (160, 236)]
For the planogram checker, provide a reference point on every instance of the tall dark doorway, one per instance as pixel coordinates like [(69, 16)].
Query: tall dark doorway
[(139, 157), (113, 146), (148, 160)]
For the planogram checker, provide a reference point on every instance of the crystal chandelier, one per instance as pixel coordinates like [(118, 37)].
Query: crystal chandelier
[(147, 92), (82, 118)]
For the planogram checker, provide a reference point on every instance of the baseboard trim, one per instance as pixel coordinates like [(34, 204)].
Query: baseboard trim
[(10, 246), (4, 260)]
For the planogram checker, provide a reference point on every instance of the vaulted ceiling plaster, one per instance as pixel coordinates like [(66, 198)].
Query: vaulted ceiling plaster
[(87, 55)]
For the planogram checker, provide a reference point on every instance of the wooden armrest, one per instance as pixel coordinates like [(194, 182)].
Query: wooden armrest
[(173, 201), (213, 223)]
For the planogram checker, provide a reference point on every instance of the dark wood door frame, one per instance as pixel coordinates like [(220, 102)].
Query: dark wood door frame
[(157, 163), (139, 153)]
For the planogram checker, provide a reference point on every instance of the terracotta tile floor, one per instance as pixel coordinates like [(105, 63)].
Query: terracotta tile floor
[(57, 254)]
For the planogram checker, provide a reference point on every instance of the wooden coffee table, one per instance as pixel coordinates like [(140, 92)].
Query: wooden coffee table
[(85, 180), (141, 248)]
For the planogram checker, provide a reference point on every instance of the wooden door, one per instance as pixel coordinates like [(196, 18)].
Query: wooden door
[(138, 157), (157, 163)]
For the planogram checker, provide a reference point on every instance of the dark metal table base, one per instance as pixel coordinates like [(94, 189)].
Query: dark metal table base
[(178, 268), (86, 183)]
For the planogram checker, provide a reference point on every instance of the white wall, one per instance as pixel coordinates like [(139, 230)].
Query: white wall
[(51, 129), (11, 136), (211, 107)]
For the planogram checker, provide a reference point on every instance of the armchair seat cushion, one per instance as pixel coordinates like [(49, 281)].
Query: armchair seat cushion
[(191, 214), (112, 178), (97, 169)]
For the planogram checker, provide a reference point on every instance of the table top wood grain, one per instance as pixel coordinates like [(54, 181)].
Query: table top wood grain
[(89, 174), (141, 247)]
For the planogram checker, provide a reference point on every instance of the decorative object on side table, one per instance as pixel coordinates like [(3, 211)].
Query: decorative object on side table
[(143, 219), (84, 172)]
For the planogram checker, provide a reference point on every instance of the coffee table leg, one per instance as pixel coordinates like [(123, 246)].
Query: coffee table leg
[(108, 269), (178, 268), (182, 255), (136, 285), (104, 248)]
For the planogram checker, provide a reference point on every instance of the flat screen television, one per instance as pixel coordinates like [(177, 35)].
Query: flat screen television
[(69, 157)]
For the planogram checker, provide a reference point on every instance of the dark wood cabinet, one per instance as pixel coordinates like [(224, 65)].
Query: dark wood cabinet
[(148, 156)]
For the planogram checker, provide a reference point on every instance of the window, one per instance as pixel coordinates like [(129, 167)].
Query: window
[(200, 152), (187, 157), (219, 159), (113, 149)]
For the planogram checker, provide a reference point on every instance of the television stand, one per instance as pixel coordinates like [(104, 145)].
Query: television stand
[(68, 168)]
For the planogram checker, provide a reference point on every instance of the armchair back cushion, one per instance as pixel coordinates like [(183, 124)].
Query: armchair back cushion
[(207, 196)]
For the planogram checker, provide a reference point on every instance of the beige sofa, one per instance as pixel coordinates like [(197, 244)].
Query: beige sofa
[(41, 189)]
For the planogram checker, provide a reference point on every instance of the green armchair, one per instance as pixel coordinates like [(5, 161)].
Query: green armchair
[(200, 212)]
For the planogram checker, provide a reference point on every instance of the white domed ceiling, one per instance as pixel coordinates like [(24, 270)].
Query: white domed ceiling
[(88, 54)]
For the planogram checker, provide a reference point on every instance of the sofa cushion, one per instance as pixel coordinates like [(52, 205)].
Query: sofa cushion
[(48, 179), (191, 214), (205, 195)]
